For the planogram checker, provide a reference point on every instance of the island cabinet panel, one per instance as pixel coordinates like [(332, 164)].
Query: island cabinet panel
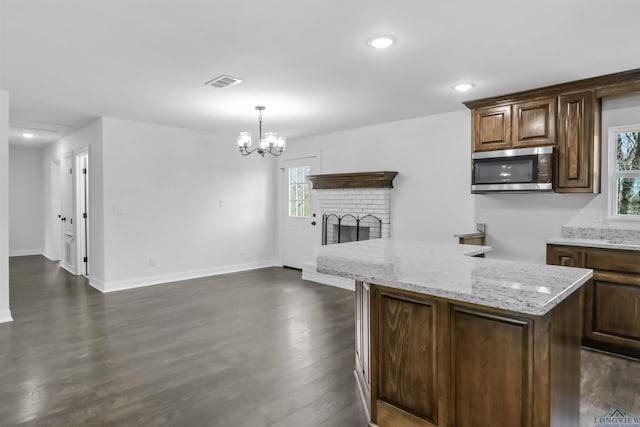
[(491, 356), (491, 128), (437, 362), (534, 123), (407, 355)]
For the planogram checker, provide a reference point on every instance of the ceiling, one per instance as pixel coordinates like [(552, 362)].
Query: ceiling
[(66, 62)]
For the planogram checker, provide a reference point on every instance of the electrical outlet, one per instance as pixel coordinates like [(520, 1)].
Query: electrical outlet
[(221, 203), (242, 251), (596, 216), (153, 261)]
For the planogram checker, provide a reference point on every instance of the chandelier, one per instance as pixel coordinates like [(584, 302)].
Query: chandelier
[(271, 143)]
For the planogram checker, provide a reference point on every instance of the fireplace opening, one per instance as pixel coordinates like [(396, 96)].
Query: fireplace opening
[(349, 228)]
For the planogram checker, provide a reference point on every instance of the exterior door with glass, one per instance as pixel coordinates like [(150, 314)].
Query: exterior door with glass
[(301, 225)]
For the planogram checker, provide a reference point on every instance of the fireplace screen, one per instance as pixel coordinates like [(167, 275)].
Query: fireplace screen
[(349, 228)]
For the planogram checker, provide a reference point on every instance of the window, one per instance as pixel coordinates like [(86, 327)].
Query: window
[(299, 192), (624, 172)]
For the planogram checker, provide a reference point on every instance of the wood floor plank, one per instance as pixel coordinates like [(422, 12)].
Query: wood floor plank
[(261, 348)]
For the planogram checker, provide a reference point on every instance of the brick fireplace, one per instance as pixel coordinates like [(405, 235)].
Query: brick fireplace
[(346, 201)]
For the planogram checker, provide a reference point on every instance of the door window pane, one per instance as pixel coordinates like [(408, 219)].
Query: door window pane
[(299, 192)]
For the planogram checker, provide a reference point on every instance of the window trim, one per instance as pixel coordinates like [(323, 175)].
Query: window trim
[(613, 175)]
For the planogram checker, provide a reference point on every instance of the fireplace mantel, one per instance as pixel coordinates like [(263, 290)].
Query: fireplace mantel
[(383, 179)]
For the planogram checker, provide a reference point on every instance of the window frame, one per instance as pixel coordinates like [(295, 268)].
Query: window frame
[(613, 174)]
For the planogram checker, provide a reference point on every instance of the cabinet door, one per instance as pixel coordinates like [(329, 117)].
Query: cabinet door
[(534, 123), (490, 356), (566, 256), (491, 128), (405, 372), (577, 155), (612, 316)]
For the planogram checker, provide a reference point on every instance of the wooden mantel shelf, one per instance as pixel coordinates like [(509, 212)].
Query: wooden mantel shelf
[(382, 179)]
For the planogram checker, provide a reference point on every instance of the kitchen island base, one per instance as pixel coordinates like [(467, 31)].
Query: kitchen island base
[(424, 361)]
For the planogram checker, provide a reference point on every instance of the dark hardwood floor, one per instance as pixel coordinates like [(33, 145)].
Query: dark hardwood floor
[(259, 348)]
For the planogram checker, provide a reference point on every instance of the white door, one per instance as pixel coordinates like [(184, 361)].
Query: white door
[(82, 212), (66, 213), (54, 240), (300, 224)]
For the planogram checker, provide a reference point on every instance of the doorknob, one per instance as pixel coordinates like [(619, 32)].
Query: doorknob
[(313, 223)]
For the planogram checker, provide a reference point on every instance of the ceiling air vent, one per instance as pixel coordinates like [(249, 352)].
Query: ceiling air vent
[(223, 81)]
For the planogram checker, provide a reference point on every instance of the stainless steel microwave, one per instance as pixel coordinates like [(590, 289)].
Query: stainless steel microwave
[(520, 169)]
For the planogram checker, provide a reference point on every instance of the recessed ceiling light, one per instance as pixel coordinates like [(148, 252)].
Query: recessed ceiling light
[(381, 42), (28, 135), (463, 87)]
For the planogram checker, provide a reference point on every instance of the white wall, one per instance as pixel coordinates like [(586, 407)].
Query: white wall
[(518, 224), (26, 201), (89, 136), (186, 199), (431, 197), (5, 314)]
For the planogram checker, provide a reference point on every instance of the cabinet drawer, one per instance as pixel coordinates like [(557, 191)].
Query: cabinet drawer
[(613, 260)]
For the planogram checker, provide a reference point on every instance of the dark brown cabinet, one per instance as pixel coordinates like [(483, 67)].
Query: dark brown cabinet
[(435, 361), (566, 116), (578, 163), (523, 124), (534, 123), (565, 256), (611, 299), (492, 128)]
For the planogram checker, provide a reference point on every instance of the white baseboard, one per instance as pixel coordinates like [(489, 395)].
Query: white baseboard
[(49, 256), (97, 284), (5, 316), (309, 273), (71, 269), (121, 285), (25, 252)]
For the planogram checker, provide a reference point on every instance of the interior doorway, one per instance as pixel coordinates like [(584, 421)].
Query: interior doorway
[(82, 212), (301, 226)]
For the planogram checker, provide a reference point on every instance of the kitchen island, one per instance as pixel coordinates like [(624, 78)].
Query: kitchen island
[(447, 339)]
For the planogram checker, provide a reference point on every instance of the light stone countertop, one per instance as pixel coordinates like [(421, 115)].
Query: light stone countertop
[(599, 237), (596, 243), (448, 270)]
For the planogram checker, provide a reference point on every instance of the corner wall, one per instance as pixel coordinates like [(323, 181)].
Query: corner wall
[(5, 312), (26, 201)]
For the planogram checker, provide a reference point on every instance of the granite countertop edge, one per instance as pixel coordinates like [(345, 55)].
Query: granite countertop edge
[(592, 243), (488, 300)]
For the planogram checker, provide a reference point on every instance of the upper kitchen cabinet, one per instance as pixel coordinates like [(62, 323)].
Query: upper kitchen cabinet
[(492, 128), (518, 125), (578, 166), (534, 123), (566, 116)]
